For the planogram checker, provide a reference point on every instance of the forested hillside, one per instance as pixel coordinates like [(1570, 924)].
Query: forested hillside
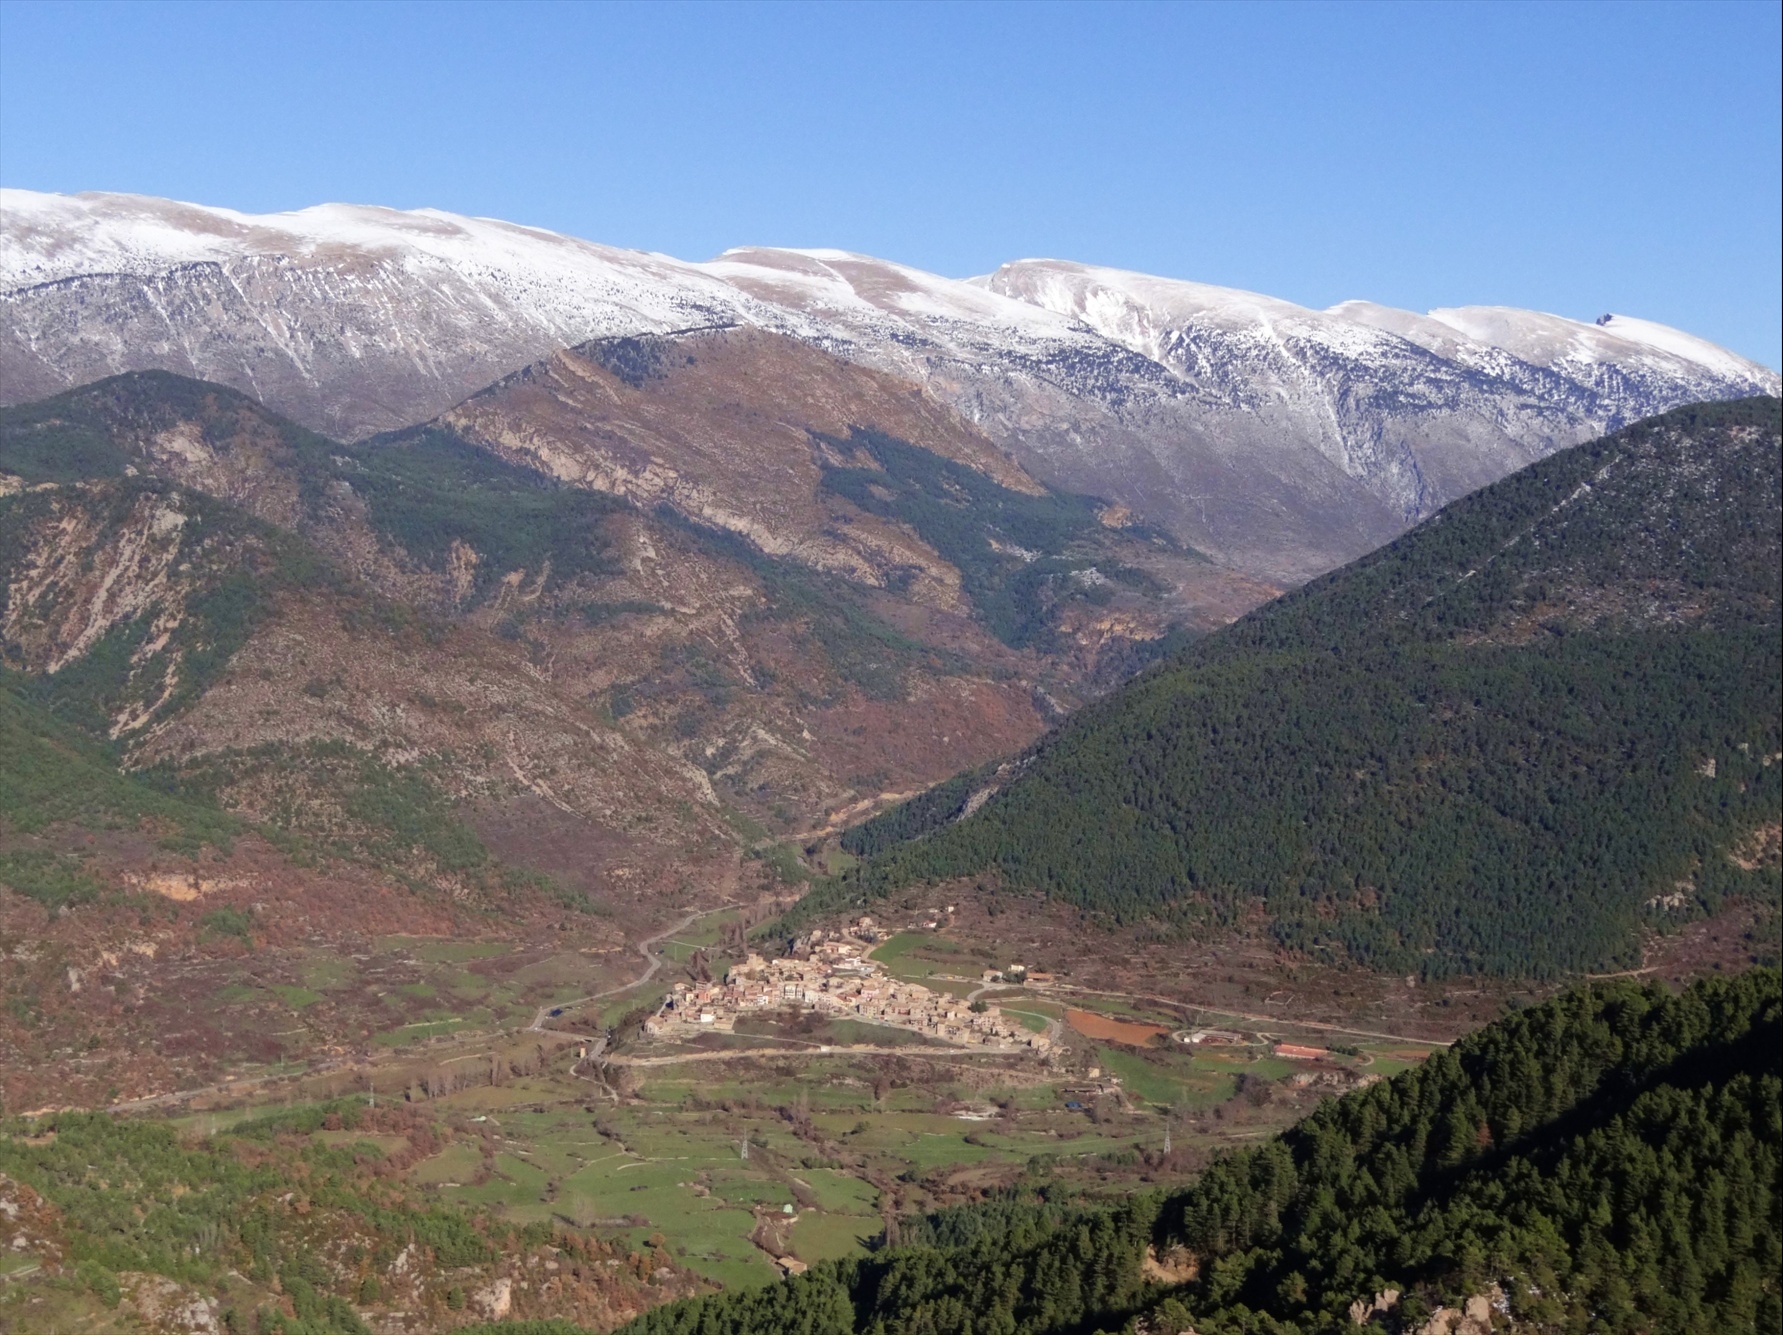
[(1606, 1161), (1502, 744)]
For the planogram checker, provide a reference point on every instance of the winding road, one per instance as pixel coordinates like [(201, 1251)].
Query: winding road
[(1279, 1021), (817, 1050), (646, 948)]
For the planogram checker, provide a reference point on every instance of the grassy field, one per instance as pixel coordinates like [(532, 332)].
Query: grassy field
[(1387, 1059), (835, 861), (419, 1031), (833, 1142), (669, 1158), (918, 956), (898, 956), (406, 995), (1173, 1079), (1031, 1020), (660, 1165), (1125, 1010), (653, 1156)]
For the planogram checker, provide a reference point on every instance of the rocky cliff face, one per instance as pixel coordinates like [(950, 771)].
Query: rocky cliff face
[(1280, 440), (725, 427)]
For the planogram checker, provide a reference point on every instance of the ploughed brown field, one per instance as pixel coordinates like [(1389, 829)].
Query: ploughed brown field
[(1091, 1025)]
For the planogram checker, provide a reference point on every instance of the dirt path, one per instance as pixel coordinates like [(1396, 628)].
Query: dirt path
[(1055, 1029), (646, 948), (221, 1087), (654, 963), (1280, 1021)]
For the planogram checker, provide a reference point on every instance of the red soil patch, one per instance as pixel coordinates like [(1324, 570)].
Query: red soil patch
[(1100, 1027)]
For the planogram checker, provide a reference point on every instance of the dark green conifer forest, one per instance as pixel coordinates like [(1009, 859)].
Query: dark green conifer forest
[(1534, 727)]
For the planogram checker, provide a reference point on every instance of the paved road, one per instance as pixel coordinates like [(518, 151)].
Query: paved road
[(834, 1050), (654, 963), (1280, 1021), (221, 1087), (597, 1044), (1055, 1029)]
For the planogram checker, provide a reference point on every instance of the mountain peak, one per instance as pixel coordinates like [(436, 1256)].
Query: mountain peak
[(1277, 438)]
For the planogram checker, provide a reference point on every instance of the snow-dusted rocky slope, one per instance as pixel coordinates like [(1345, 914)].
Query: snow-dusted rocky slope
[(1281, 439)]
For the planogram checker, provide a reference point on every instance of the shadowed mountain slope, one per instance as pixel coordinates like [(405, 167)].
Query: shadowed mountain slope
[(327, 688)]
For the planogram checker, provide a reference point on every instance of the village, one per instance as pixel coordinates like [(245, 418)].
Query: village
[(831, 972)]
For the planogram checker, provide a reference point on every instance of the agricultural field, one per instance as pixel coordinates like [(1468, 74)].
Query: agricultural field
[(729, 1165), (726, 1167), (251, 1017), (660, 1170), (918, 957), (826, 1155), (726, 1160)]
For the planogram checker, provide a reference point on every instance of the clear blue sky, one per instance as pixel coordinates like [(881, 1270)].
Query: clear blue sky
[(1579, 158)]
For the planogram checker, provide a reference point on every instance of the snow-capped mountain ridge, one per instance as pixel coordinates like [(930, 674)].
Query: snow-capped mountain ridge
[(1276, 436), (50, 237), (1140, 311)]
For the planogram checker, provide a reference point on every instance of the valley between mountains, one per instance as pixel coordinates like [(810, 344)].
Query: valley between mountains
[(601, 638), (539, 782)]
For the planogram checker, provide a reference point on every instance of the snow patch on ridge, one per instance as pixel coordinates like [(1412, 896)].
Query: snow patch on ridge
[(1276, 437)]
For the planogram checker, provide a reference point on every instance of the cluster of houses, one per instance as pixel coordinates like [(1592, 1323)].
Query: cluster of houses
[(831, 974)]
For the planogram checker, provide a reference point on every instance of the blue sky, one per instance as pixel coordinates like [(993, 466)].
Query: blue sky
[(1579, 158)]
